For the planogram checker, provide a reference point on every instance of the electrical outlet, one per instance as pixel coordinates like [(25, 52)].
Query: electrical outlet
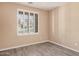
[(76, 44)]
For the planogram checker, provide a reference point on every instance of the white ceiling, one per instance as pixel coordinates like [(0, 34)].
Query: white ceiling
[(43, 5)]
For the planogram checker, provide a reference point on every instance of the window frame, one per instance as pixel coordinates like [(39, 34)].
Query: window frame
[(29, 33)]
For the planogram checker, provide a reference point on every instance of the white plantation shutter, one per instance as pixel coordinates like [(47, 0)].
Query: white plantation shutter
[(27, 22)]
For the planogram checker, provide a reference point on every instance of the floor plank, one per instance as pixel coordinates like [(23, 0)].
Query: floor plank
[(42, 49)]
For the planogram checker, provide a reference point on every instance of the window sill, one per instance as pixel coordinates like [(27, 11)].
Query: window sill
[(27, 34)]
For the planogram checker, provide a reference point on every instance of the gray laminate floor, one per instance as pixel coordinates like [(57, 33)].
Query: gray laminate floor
[(42, 49)]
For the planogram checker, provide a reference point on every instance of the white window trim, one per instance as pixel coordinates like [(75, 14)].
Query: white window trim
[(30, 33)]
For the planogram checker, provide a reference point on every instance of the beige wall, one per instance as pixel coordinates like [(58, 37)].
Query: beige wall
[(8, 26), (64, 23)]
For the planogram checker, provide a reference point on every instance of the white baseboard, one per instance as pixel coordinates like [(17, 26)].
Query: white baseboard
[(64, 46), (38, 43), (23, 45)]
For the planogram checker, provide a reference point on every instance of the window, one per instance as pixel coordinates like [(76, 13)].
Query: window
[(27, 22)]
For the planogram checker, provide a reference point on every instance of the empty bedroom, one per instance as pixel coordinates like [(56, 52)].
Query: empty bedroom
[(39, 28)]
